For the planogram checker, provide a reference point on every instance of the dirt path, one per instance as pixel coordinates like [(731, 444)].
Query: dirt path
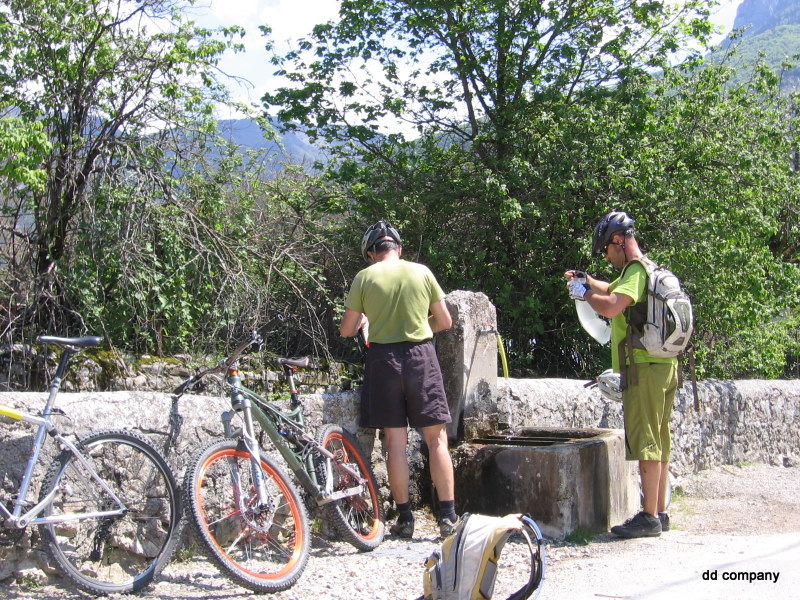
[(727, 522)]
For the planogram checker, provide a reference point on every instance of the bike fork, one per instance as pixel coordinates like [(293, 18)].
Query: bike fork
[(248, 437)]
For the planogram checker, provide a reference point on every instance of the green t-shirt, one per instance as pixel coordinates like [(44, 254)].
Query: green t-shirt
[(632, 283), (396, 296)]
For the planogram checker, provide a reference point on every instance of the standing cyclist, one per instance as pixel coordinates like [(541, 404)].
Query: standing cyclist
[(403, 305), (649, 386)]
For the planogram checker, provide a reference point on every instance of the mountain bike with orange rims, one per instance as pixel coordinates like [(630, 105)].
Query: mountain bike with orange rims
[(247, 512)]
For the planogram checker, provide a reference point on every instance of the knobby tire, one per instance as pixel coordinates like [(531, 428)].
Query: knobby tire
[(264, 549), (358, 519), (118, 554)]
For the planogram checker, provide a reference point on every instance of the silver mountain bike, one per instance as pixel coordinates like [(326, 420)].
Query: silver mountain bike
[(109, 508)]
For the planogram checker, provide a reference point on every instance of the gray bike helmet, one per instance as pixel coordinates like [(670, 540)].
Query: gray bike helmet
[(614, 222), (377, 232), (609, 384)]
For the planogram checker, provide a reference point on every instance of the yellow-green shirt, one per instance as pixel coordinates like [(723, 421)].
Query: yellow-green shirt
[(396, 296)]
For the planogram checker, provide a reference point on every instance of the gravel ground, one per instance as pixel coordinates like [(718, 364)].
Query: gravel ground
[(729, 522)]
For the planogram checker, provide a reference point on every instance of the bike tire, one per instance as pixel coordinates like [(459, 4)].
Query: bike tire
[(264, 551), (121, 554), (358, 519)]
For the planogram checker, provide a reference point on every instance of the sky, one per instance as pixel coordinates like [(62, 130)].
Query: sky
[(291, 20)]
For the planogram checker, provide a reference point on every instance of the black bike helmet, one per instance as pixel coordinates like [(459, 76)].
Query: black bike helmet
[(614, 222), (380, 231)]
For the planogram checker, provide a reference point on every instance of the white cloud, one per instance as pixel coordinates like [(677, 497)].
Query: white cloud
[(289, 20)]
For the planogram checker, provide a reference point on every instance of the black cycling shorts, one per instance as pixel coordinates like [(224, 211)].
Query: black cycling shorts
[(403, 386)]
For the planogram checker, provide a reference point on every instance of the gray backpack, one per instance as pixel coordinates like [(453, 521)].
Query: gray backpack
[(465, 566), (663, 322)]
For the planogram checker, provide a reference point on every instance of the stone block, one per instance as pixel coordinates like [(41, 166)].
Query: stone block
[(563, 478), (468, 357)]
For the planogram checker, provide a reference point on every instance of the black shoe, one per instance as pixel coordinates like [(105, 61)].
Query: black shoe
[(642, 525), (403, 529), (664, 518), (447, 527)]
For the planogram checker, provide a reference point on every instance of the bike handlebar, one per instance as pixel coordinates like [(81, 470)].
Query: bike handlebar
[(255, 338), (221, 366)]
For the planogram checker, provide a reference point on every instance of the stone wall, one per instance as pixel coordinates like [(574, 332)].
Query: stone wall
[(752, 420), (756, 421)]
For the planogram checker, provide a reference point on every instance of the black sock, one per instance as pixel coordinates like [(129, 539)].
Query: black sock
[(405, 512), (447, 510)]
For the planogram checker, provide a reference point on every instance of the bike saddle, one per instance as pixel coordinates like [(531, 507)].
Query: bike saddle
[(78, 342)]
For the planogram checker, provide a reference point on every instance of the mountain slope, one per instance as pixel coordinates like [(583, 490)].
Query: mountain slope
[(771, 33), (763, 15), (289, 147)]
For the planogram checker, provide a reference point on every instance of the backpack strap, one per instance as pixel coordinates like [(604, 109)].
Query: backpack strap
[(533, 537), (627, 371), (690, 352)]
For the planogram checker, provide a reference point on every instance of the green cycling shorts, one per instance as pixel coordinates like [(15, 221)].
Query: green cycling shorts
[(647, 408)]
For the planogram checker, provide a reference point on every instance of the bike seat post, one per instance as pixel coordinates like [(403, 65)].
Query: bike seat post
[(55, 383), (289, 370)]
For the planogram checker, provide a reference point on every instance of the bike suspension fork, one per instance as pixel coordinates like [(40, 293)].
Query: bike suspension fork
[(250, 442)]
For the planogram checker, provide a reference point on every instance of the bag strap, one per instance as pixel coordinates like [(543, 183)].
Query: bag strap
[(627, 372), (690, 352), (531, 530)]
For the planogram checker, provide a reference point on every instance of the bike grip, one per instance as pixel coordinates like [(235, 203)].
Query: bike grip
[(181, 389)]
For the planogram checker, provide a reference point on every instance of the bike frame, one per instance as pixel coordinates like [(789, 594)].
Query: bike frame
[(16, 517), (287, 431)]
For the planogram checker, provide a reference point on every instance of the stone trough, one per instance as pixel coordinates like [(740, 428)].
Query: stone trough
[(565, 479)]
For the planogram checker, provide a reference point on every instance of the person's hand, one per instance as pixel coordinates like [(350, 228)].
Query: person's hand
[(577, 289), (579, 276)]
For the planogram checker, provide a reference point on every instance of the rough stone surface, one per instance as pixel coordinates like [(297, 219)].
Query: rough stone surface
[(468, 357), (751, 420), (582, 482)]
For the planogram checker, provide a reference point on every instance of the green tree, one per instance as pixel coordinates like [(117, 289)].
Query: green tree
[(532, 125), (99, 78), (470, 68)]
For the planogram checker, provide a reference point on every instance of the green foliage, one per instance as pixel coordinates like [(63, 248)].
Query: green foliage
[(580, 536), (227, 250), (23, 146), (513, 169), (470, 69), (124, 213), (778, 48), (89, 90)]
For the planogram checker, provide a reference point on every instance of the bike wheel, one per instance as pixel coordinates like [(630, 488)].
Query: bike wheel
[(262, 548), (358, 518), (118, 554)]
